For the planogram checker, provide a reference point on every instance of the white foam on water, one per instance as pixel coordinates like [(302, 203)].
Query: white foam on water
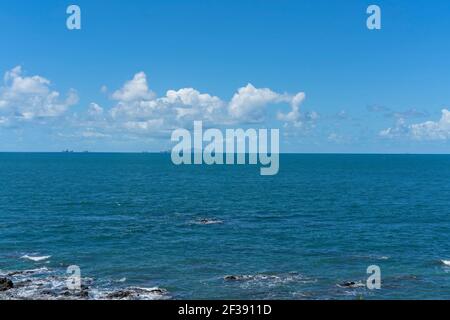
[(35, 258), (28, 272), (446, 262), (261, 281), (207, 221), (131, 293), (154, 293), (45, 284)]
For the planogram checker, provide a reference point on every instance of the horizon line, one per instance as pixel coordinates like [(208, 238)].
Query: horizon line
[(168, 152)]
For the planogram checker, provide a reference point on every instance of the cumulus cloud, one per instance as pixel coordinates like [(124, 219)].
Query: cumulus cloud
[(431, 130), (295, 118), (31, 97), (428, 130), (138, 110), (135, 89), (189, 104), (249, 103), (144, 111), (294, 115)]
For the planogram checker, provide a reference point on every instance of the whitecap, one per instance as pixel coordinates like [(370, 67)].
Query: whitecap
[(446, 262), (268, 280), (208, 221), (36, 258)]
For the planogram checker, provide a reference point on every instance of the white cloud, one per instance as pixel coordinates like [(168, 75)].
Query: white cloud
[(428, 130), (175, 108), (294, 116), (190, 104), (136, 110), (4, 121), (29, 98), (135, 89), (144, 112), (95, 110), (431, 130), (249, 103), (400, 129)]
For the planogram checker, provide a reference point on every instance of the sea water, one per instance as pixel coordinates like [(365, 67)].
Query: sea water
[(138, 221)]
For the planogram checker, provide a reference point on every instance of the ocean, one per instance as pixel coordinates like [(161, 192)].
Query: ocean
[(140, 227)]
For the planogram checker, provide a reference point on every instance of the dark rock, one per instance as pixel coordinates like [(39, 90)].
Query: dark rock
[(84, 294), (158, 291), (66, 293), (6, 284), (231, 278), (121, 294), (22, 272), (48, 292), (133, 293), (348, 284), (351, 284), (22, 284)]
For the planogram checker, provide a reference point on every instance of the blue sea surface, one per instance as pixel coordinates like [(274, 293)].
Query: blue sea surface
[(138, 220)]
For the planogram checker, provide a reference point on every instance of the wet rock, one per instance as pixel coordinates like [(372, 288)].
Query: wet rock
[(27, 272), (47, 292), (23, 284), (121, 294), (83, 294), (158, 291), (135, 293), (348, 284), (351, 284), (6, 284)]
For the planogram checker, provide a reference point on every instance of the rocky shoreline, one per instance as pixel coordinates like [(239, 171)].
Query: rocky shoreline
[(44, 284)]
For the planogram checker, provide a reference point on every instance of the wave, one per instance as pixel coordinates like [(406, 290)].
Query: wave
[(446, 262), (27, 272), (36, 258), (206, 221), (270, 279)]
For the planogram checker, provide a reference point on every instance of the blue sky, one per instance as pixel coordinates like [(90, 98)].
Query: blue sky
[(138, 69)]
